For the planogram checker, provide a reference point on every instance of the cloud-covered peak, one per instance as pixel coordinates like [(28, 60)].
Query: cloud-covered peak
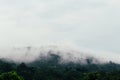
[(67, 54), (92, 24)]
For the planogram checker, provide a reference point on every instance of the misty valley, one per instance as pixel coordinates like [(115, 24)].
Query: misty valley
[(59, 40), (51, 68)]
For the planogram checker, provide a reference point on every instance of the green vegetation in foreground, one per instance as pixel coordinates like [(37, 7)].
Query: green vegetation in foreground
[(10, 76), (51, 69)]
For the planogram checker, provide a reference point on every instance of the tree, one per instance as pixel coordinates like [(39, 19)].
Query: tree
[(10, 76), (92, 76), (26, 72)]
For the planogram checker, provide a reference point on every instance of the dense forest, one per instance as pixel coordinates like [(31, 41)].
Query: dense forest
[(51, 69)]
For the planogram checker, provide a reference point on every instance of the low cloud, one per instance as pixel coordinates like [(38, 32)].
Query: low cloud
[(91, 24), (67, 53)]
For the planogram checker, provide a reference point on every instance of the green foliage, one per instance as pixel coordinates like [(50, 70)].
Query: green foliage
[(92, 76), (5, 66), (10, 76), (52, 69), (26, 72)]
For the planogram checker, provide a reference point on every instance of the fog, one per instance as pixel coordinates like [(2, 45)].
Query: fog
[(90, 27), (67, 54)]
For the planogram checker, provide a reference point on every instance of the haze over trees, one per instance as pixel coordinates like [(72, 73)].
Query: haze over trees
[(51, 69)]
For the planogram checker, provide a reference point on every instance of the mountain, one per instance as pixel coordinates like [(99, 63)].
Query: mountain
[(51, 67), (31, 54), (58, 64)]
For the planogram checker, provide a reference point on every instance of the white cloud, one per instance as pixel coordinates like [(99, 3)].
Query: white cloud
[(88, 23)]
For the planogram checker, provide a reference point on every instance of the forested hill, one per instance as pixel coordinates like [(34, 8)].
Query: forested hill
[(53, 69)]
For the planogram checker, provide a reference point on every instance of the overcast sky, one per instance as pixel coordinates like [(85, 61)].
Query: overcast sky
[(92, 24)]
